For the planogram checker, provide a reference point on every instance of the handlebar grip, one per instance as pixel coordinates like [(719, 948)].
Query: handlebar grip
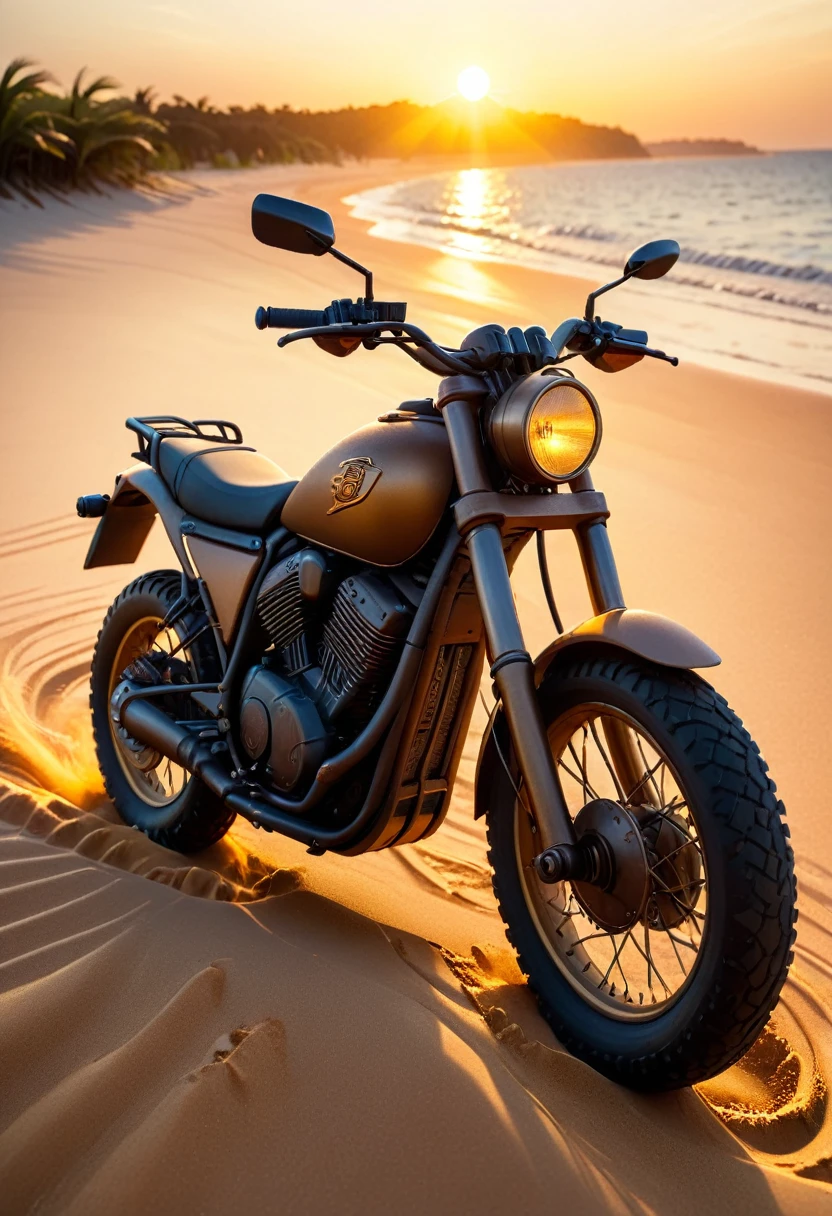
[(288, 318)]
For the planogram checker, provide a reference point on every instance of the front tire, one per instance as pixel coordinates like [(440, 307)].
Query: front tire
[(722, 921), (165, 802)]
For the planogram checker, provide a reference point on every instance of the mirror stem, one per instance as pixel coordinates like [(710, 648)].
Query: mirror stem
[(368, 274), (589, 311)]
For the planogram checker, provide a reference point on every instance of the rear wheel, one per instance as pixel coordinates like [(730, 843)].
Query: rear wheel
[(149, 791), (668, 975)]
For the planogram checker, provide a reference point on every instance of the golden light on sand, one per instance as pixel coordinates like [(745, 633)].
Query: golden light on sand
[(473, 83)]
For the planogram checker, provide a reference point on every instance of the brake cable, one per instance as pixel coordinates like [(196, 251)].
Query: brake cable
[(546, 580)]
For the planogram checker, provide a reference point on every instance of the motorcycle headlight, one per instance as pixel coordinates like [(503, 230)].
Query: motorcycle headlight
[(546, 428)]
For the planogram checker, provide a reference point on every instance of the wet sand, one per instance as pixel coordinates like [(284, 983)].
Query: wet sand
[(256, 1026)]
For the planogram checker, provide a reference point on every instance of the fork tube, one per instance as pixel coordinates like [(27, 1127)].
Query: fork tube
[(511, 664), (599, 567), (513, 673), (605, 595), (597, 558)]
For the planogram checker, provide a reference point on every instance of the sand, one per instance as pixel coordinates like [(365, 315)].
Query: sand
[(255, 1028)]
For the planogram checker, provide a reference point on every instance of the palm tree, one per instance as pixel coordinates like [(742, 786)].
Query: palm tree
[(79, 96), (110, 141), (144, 100), (27, 132)]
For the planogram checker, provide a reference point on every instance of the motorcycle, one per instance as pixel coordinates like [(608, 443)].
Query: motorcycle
[(313, 664)]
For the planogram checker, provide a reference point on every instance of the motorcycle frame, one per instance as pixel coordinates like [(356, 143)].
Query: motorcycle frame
[(484, 534)]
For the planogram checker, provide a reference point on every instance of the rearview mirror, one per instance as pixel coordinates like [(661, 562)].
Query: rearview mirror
[(652, 260), (285, 223)]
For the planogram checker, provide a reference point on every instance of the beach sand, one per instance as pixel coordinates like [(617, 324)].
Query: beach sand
[(258, 1028)]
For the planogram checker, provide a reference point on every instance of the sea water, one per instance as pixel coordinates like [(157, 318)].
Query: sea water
[(752, 291)]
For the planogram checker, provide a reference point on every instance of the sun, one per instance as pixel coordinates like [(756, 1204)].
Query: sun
[(473, 83)]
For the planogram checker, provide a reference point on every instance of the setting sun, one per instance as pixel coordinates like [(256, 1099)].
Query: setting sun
[(473, 83)]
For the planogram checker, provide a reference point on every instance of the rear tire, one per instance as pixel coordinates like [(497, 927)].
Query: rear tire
[(746, 938), (193, 818)]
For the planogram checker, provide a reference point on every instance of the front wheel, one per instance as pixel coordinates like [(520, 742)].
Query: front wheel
[(666, 973)]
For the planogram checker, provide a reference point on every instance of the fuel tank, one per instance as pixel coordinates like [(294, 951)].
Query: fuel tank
[(379, 494)]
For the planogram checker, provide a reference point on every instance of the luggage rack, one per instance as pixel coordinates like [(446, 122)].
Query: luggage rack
[(153, 428)]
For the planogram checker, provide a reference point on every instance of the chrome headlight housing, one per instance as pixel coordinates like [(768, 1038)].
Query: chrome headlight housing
[(546, 429)]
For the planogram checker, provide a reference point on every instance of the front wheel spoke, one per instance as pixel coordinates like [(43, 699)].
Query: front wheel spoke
[(583, 780), (590, 937), (671, 891), (617, 960), (674, 852), (682, 941), (567, 769), (651, 772), (690, 913), (616, 953), (583, 758), (648, 776), (695, 883), (648, 958), (619, 789), (673, 944)]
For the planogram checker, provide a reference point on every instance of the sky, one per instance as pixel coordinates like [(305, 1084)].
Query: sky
[(758, 71)]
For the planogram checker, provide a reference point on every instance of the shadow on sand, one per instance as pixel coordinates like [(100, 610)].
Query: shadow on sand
[(83, 212)]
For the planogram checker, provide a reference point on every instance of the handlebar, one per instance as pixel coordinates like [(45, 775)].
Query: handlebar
[(288, 318), (493, 348)]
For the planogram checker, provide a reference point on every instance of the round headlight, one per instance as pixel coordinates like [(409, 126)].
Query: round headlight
[(546, 428)]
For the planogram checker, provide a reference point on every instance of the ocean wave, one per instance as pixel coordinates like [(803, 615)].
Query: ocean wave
[(497, 241), (539, 240)]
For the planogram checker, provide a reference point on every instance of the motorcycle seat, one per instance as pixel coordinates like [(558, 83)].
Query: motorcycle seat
[(228, 485)]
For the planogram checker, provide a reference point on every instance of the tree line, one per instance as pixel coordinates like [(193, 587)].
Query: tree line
[(54, 140)]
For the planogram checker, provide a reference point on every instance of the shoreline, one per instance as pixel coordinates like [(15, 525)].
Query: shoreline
[(724, 327), (642, 305)]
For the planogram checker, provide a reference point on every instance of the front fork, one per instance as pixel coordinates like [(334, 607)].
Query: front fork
[(511, 665)]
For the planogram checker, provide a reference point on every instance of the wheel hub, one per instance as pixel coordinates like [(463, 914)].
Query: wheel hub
[(622, 900), (676, 866), (136, 753)]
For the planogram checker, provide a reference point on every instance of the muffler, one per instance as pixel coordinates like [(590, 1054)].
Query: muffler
[(152, 726)]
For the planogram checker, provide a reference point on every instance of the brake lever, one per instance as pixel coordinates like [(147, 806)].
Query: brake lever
[(636, 348)]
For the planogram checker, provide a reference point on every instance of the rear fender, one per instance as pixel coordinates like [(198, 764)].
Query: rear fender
[(627, 630), (139, 496)]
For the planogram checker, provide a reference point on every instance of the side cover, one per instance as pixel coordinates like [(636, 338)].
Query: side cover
[(377, 495)]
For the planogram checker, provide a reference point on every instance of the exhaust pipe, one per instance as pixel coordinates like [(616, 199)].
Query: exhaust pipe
[(153, 727)]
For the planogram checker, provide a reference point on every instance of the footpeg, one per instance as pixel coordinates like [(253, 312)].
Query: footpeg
[(92, 506)]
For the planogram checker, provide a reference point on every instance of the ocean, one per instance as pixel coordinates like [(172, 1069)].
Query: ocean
[(752, 291)]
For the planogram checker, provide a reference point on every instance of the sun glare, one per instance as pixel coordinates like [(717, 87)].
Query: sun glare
[(473, 83)]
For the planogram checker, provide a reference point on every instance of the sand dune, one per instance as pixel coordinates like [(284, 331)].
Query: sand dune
[(256, 1027)]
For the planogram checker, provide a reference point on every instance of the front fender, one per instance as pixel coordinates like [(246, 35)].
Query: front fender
[(139, 496), (646, 634)]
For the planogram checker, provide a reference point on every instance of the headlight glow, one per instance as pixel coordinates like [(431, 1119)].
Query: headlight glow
[(546, 429), (562, 429)]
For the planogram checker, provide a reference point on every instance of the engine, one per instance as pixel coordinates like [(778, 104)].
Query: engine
[(335, 645)]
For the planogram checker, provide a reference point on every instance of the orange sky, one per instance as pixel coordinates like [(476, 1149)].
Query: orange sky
[(755, 71)]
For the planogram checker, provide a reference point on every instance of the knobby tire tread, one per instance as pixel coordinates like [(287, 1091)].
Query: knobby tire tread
[(205, 819), (760, 932)]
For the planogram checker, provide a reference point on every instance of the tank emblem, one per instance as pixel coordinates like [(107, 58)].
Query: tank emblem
[(354, 483)]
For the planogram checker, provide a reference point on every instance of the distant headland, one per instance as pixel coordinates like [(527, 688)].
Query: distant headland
[(702, 147)]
